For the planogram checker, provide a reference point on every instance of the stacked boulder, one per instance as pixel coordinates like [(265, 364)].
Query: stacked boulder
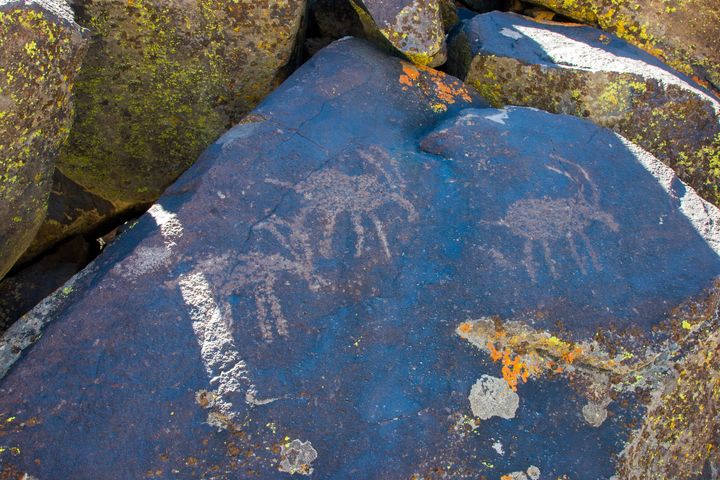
[(41, 48), (685, 34), (375, 264)]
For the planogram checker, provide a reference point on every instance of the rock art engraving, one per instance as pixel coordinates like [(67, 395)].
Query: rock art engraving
[(331, 193), (546, 221), (261, 272)]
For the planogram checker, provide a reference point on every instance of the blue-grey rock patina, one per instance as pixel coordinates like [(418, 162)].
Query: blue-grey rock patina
[(308, 298)]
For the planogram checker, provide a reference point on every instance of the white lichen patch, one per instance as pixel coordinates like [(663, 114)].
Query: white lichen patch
[(498, 447), (533, 472), (297, 457), (493, 397), (595, 413)]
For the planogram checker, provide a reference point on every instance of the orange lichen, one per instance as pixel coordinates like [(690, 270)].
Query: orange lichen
[(465, 327), (513, 366), (435, 85), (411, 71)]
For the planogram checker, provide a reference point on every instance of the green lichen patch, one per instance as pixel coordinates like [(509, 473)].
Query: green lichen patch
[(40, 53), (679, 432), (162, 80)]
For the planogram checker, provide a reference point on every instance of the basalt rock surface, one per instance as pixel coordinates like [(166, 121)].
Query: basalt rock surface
[(513, 60), (375, 265)]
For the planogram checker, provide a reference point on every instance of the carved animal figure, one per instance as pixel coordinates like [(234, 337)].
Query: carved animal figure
[(330, 193), (261, 271), (546, 221)]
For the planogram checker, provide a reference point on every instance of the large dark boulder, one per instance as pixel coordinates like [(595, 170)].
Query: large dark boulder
[(41, 48), (327, 290), (513, 60)]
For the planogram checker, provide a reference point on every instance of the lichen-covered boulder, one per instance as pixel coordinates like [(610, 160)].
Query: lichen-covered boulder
[(366, 268), (163, 79), (41, 48), (684, 33), (415, 28), (581, 71)]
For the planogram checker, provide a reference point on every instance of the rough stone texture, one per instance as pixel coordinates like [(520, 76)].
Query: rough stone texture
[(22, 290), (581, 71), (415, 28), (307, 279), (41, 48), (683, 33), (163, 79), (72, 210)]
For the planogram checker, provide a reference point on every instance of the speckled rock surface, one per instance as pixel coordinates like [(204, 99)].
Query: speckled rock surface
[(415, 28), (41, 48), (582, 71), (324, 287), (684, 33), (163, 79)]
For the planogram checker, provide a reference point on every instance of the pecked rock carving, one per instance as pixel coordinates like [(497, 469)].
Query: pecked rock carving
[(331, 193), (546, 221)]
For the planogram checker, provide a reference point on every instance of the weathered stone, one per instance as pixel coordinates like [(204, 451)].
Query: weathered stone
[(163, 79), (41, 48), (415, 28), (72, 210), (298, 299), (580, 71), (25, 288), (683, 33)]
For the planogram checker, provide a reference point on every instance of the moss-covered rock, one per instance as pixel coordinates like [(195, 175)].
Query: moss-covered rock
[(41, 48), (684, 33), (581, 71), (415, 28), (163, 79)]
